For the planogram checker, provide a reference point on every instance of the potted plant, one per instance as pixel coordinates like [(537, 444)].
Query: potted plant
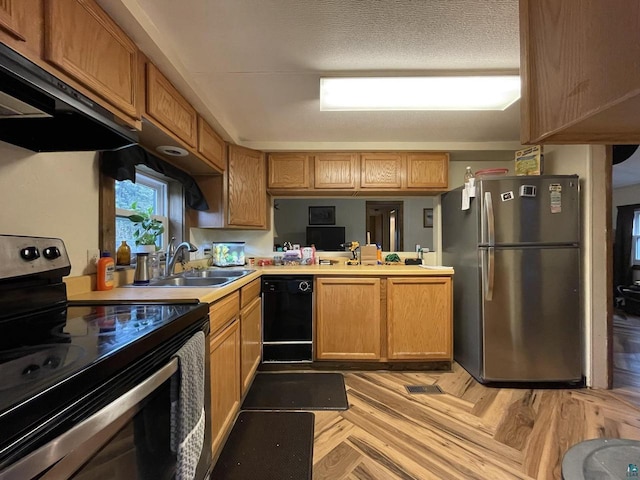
[(148, 228)]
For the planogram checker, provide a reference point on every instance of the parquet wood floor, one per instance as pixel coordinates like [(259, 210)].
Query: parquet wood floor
[(468, 432)]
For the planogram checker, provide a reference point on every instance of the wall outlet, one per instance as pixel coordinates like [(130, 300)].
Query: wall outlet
[(93, 254)]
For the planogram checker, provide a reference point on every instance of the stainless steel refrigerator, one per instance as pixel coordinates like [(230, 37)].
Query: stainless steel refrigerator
[(516, 254)]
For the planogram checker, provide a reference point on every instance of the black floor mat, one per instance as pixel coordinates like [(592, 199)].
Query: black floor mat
[(268, 446), (296, 391)]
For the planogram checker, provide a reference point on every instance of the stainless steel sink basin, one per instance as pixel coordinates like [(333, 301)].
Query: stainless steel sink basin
[(190, 282), (199, 278), (218, 273)]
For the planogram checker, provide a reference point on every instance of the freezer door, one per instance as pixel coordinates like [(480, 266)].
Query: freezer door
[(531, 328), (530, 210)]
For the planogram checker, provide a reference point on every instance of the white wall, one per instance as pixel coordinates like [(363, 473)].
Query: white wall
[(457, 169), (629, 195), (590, 163), (51, 195)]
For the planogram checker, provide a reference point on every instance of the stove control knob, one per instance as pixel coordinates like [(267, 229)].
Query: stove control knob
[(30, 253), (51, 253), (31, 370), (51, 362), (304, 286)]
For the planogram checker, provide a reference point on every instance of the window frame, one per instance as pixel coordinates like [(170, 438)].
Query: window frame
[(162, 188), (107, 211), (635, 239)]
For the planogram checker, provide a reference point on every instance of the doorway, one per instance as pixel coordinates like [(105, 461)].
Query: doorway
[(385, 224)]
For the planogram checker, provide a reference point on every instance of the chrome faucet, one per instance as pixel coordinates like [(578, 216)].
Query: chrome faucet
[(172, 255)]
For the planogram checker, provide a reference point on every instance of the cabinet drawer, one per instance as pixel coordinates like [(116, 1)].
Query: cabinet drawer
[(223, 311), (249, 292)]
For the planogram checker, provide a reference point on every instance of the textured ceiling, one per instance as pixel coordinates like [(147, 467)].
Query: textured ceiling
[(255, 65)]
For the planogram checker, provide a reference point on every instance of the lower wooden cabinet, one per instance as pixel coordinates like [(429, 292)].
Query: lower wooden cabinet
[(347, 318), (250, 337), (419, 313), (384, 319), (225, 381)]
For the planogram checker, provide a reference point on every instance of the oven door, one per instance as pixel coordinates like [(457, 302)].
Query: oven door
[(129, 438)]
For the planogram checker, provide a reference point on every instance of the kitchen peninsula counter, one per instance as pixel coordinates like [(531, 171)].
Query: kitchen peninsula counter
[(211, 294)]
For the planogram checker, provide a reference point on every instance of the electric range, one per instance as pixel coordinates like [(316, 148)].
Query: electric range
[(60, 361)]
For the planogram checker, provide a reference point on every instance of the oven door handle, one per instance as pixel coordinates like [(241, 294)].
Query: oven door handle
[(103, 421)]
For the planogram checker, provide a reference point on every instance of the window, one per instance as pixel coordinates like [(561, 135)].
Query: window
[(635, 242), (148, 191)]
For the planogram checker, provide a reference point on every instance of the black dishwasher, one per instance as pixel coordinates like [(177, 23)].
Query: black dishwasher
[(287, 333)]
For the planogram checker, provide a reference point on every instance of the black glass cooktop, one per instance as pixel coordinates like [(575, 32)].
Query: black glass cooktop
[(76, 348)]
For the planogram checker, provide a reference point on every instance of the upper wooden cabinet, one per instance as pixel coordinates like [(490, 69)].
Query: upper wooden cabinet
[(289, 170), (335, 171), (419, 318), (580, 71), (247, 201), (381, 170), (9, 18), (238, 199), (210, 145), (427, 170), (370, 173), (22, 27), (83, 42), (165, 105)]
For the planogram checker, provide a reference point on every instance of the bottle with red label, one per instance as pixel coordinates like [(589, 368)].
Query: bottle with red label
[(106, 271)]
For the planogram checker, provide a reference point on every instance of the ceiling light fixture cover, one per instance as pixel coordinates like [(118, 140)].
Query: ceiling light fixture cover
[(495, 92)]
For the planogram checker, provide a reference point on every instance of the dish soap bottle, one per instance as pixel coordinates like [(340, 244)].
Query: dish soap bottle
[(106, 269), (123, 255)]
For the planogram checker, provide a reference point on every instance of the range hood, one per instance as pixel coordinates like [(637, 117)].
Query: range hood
[(41, 113)]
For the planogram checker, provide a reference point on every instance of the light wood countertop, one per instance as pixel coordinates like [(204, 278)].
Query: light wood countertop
[(211, 294)]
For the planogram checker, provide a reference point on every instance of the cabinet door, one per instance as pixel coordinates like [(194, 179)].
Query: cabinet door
[(348, 318), (288, 170), (82, 41), (225, 382), (419, 318), (381, 170), (247, 188), (335, 170), (9, 18), (250, 334), (580, 72), (210, 145), (428, 170), (169, 108)]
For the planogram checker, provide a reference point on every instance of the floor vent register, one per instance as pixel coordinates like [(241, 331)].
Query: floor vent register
[(428, 389)]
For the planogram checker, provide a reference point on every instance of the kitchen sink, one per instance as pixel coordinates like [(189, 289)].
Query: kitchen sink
[(190, 282), (199, 278), (214, 272)]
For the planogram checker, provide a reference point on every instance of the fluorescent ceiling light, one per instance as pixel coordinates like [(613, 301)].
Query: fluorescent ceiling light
[(419, 93)]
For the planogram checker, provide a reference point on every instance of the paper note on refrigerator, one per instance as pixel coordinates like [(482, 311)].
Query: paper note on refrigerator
[(465, 199), (470, 187)]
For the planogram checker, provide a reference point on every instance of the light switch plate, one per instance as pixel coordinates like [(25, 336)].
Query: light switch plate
[(93, 254)]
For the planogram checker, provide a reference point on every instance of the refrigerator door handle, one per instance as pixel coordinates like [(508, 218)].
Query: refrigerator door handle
[(488, 273), (489, 219)]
